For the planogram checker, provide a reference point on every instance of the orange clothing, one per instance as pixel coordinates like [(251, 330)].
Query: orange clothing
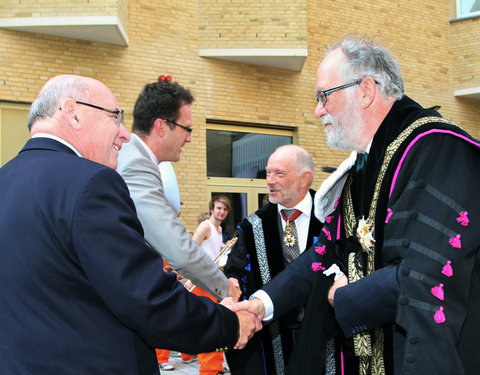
[(186, 357), (210, 363), (162, 355), (200, 292)]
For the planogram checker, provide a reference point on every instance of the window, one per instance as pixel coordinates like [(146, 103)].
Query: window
[(241, 152), (237, 156), (467, 8)]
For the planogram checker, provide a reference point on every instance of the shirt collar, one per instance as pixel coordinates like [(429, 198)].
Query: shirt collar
[(149, 152), (58, 139), (305, 205)]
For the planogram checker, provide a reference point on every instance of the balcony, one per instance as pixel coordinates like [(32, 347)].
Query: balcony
[(287, 58), (96, 20)]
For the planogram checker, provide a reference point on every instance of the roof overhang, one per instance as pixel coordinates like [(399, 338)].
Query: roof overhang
[(282, 58), (470, 93), (103, 29)]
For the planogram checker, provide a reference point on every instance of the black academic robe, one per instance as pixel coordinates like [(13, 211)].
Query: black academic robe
[(243, 264), (424, 293)]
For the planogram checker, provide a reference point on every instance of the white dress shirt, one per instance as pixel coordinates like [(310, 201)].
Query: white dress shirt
[(144, 145), (302, 223)]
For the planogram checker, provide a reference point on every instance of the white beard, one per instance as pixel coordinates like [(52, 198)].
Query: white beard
[(345, 130)]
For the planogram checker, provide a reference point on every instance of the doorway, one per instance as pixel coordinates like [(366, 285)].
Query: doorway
[(245, 199)]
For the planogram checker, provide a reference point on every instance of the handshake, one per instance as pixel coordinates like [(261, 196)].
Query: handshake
[(250, 315)]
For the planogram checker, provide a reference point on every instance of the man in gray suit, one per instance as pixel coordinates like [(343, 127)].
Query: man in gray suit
[(162, 120)]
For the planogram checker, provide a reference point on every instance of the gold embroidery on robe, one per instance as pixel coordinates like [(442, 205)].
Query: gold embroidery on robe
[(368, 346)]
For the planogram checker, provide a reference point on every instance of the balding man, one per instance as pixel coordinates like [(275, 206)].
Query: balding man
[(269, 239), (80, 291)]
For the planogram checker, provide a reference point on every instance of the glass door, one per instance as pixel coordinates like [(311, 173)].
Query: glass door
[(245, 200)]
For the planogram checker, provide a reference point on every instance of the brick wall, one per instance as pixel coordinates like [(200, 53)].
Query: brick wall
[(165, 38), (464, 43), (252, 24)]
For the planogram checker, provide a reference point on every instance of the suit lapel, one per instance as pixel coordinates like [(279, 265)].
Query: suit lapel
[(133, 153)]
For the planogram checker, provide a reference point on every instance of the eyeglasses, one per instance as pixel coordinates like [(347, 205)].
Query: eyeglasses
[(322, 95), (118, 113), (189, 130)]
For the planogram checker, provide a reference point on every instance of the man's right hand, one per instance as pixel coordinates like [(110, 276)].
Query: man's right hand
[(254, 306), (248, 324)]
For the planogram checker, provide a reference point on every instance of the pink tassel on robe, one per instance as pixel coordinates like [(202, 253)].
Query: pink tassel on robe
[(327, 233), (437, 291), (455, 242), (463, 219), (320, 250), (317, 267), (439, 316), (447, 269)]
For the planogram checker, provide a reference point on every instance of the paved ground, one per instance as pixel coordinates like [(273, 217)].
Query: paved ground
[(183, 368)]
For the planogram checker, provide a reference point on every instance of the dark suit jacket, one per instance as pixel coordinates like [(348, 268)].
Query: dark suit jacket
[(80, 291)]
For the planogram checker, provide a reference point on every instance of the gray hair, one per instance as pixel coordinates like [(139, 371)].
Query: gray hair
[(304, 161), (367, 58), (54, 91)]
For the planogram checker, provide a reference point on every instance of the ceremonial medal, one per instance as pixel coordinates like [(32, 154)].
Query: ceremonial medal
[(365, 234), (288, 239)]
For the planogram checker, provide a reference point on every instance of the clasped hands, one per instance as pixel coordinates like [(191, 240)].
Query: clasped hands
[(250, 315)]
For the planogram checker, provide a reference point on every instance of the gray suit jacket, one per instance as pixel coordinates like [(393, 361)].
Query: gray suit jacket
[(164, 232)]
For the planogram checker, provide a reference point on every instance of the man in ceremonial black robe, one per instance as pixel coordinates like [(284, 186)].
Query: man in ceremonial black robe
[(258, 255), (401, 224)]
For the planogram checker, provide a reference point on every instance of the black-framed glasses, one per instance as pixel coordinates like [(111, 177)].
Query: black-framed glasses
[(189, 130), (321, 96), (117, 112)]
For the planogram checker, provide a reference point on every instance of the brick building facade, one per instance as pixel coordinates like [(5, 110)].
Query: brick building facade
[(248, 63)]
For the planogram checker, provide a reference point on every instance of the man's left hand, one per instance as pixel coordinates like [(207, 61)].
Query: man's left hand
[(234, 289), (341, 281)]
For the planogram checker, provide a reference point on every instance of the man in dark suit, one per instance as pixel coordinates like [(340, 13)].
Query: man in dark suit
[(80, 291), (262, 252)]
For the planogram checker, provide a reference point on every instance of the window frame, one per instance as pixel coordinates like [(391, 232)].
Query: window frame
[(250, 186), (248, 129), (457, 11)]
